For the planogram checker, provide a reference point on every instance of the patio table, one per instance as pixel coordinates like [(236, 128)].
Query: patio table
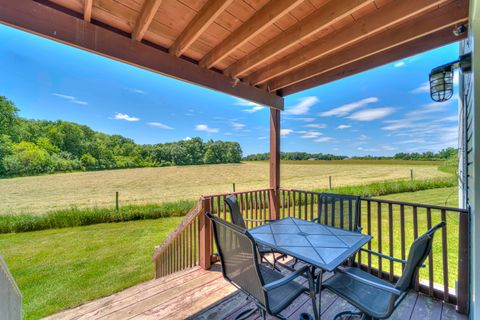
[(318, 245)]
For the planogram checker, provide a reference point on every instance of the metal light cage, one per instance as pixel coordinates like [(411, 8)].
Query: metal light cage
[(441, 83)]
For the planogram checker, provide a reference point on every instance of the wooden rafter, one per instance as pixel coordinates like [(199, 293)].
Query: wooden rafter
[(87, 10), (320, 19), (149, 9), (48, 22), (428, 42), (447, 15), (210, 11), (385, 17), (262, 19)]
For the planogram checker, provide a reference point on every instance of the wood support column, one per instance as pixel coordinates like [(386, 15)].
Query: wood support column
[(274, 163), (205, 235)]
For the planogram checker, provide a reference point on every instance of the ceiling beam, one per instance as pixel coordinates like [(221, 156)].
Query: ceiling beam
[(262, 19), (149, 9), (48, 22), (426, 43), (87, 10), (320, 19), (209, 12), (448, 15), (388, 15)]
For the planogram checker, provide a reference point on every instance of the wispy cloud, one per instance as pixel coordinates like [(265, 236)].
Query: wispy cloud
[(371, 114), (160, 125), (262, 138), (323, 139), (238, 126), (310, 134), (344, 126), (245, 103), (299, 119), (285, 132), (302, 107), (316, 125), (72, 99), (136, 90), (432, 107), (362, 137), (126, 117), (348, 108), (399, 64), (389, 148), (206, 128), (423, 88)]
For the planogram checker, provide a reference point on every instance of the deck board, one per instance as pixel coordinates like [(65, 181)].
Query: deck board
[(205, 295)]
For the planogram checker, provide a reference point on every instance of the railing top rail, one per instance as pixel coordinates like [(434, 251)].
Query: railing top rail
[(233, 193), (413, 204)]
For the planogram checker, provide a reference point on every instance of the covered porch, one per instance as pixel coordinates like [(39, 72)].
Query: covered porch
[(262, 51)]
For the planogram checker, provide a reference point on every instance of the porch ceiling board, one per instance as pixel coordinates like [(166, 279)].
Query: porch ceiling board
[(425, 43), (87, 11), (145, 18), (51, 23), (454, 13)]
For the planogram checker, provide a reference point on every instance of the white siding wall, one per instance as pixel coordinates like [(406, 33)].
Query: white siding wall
[(10, 297)]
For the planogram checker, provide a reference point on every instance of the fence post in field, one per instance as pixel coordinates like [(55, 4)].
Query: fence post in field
[(463, 265), (330, 182), (117, 207), (205, 236), (234, 187), (411, 174)]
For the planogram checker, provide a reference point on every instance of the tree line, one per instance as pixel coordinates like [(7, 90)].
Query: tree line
[(30, 147), (443, 154)]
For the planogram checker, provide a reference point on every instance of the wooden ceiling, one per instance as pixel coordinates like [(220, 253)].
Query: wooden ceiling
[(259, 50)]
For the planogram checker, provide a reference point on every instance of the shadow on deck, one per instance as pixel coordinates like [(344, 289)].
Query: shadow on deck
[(200, 294)]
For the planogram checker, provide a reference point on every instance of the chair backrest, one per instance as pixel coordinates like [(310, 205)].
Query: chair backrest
[(419, 250), (235, 213), (238, 256), (340, 211)]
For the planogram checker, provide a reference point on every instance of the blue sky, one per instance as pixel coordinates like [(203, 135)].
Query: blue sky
[(380, 112)]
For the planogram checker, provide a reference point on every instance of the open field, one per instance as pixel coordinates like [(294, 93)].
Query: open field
[(41, 194)]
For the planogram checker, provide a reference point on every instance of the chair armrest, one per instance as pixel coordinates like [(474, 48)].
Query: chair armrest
[(292, 276), (370, 283), (259, 220), (381, 255)]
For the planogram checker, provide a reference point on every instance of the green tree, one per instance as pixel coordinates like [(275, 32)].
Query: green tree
[(27, 159)]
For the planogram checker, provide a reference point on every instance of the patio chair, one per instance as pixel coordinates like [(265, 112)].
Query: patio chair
[(374, 297), (271, 291), (238, 220)]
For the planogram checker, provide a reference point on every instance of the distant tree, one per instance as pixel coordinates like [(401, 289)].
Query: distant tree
[(27, 158)]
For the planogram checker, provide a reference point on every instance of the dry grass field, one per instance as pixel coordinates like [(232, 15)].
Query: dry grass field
[(41, 194)]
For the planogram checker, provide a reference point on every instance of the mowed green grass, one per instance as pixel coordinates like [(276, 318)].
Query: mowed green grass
[(48, 193), (62, 268)]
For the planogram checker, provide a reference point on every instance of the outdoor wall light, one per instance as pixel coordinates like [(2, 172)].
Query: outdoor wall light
[(441, 78)]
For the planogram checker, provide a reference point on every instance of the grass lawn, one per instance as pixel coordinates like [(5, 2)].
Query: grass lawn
[(42, 194), (61, 268)]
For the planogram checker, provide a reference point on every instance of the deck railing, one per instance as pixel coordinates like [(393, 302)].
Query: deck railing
[(392, 224)]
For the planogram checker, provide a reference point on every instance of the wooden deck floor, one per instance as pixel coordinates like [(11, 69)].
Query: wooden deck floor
[(200, 294)]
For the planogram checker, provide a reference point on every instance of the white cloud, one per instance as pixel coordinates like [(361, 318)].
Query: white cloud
[(302, 107), (299, 119), (126, 117), (70, 98), (135, 90), (187, 138), (344, 126), (399, 64), (159, 125), (399, 124), (362, 137), (423, 88), (285, 132), (316, 125), (206, 128), (310, 134), (347, 108), (449, 118), (430, 108), (245, 103), (262, 138), (389, 148), (238, 126), (323, 139), (371, 114), (411, 141)]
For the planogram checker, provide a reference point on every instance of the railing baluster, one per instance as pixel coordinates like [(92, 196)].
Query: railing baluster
[(430, 256), (341, 215), (283, 204), (415, 236), (369, 231), (311, 206), (360, 226), (446, 297), (402, 232), (305, 213), (390, 239), (224, 208), (294, 203), (379, 231)]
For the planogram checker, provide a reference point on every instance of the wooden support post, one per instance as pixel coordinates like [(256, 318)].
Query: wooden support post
[(117, 207), (411, 174), (205, 236), (463, 264), (274, 162), (330, 182)]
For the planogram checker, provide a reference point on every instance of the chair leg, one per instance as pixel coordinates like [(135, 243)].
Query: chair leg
[(349, 314)]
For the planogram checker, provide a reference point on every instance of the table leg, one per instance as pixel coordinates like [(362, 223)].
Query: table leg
[(319, 290)]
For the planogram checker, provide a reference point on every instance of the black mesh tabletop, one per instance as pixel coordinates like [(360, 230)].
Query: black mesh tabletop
[(319, 245)]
